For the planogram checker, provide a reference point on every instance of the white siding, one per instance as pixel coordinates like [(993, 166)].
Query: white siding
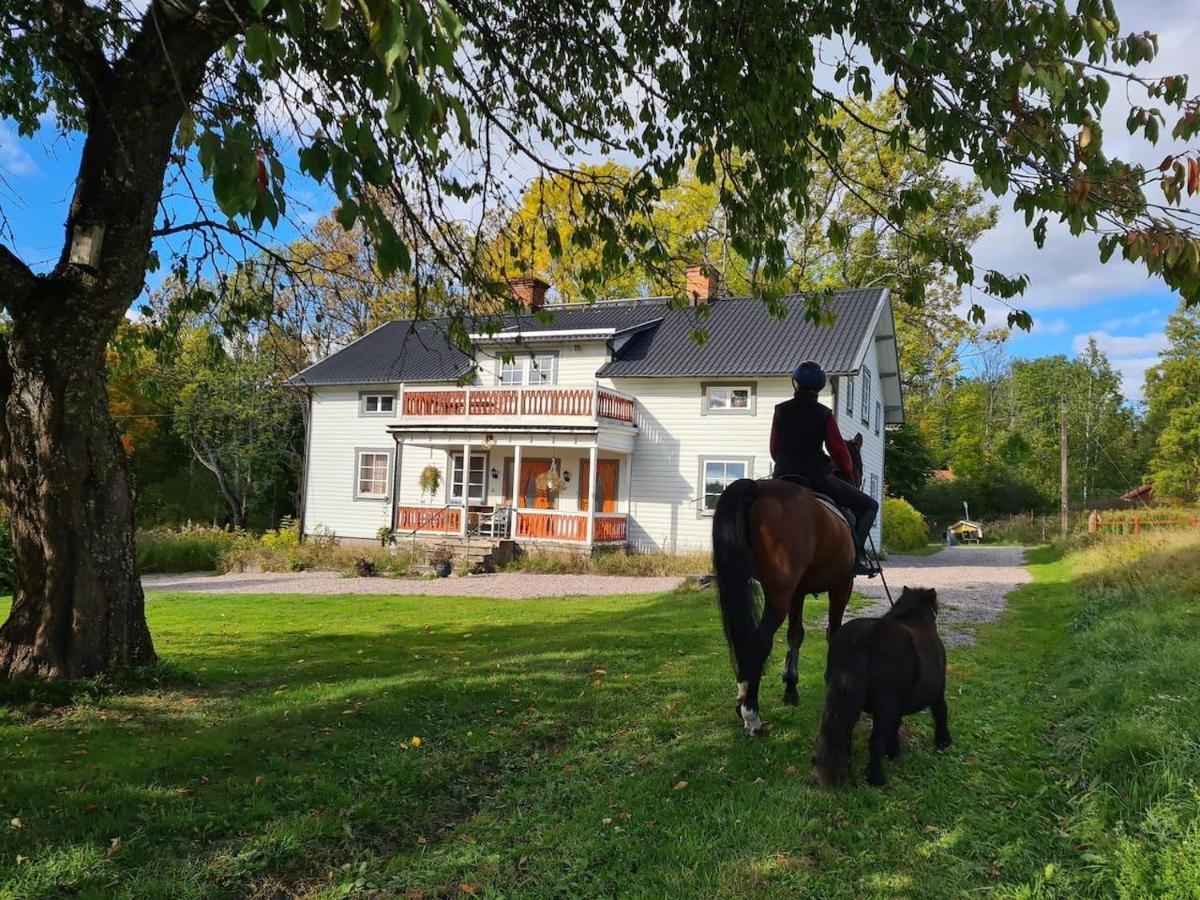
[(851, 424), (672, 439), (337, 431)]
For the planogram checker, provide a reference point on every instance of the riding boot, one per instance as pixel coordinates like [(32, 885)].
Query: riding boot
[(863, 564)]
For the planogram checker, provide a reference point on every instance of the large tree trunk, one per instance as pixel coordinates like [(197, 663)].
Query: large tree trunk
[(78, 608)]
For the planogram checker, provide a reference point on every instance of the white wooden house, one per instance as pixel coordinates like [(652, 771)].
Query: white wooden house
[(644, 424)]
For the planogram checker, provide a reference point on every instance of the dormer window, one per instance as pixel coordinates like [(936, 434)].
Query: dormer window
[(535, 369)]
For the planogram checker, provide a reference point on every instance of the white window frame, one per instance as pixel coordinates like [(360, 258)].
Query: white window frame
[(874, 486), (365, 399), (747, 464), (850, 395), (359, 453), (865, 411), (878, 416), (535, 370), (455, 481), (708, 390)]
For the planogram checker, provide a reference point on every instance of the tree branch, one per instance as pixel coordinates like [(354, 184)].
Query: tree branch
[(72, 30)]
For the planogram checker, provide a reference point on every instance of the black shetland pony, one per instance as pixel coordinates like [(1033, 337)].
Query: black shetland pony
[(889, 667)]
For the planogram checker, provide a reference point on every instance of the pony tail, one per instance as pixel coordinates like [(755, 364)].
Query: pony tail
[(735, 570), (845, 696)]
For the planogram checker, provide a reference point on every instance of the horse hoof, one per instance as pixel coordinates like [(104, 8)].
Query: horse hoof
[(752, 723), (791, 698), (876, 780), (942, 741)]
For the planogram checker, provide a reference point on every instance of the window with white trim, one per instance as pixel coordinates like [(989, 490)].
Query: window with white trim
[(729, 399), (372, 474), (850, 395), (716, 475), (476, 478), (535, 369), (878, 416), (865, 412), (377, 404), (874, 485)]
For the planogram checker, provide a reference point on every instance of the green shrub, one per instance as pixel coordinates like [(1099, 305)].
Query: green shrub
[(193, 548), (903, 527)]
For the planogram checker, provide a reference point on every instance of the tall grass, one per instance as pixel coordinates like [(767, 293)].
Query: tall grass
[(612, 562), (193, 548), (1130, 688)]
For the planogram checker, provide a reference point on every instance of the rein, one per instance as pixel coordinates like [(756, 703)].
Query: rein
[(887, 590)]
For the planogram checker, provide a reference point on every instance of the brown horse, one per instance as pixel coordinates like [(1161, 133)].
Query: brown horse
[(794, 544)]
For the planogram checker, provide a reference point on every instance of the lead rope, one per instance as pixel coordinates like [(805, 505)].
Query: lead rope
[(879, 566)]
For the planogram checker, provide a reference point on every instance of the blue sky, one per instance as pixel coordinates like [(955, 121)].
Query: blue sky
[(1072, 295)]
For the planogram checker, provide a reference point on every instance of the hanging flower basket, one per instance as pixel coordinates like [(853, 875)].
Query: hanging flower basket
[(550, 483), (430, 480)]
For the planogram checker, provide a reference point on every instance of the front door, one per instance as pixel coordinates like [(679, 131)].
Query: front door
[(606, 485), (528, 495)]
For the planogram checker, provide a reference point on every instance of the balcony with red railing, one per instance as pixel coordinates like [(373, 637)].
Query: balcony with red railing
[(592, 405)]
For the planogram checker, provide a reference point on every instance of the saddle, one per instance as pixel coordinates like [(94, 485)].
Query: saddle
[(803, 482)]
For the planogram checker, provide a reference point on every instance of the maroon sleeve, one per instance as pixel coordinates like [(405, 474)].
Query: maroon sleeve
[(837, 447), (775, 436)]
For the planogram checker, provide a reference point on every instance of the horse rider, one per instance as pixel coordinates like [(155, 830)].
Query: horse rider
[(803, 427)]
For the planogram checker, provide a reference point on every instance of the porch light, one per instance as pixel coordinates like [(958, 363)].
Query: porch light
[(495, 474), (567, 477)]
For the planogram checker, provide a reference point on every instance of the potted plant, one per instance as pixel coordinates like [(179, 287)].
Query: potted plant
[(550, 482), (385, 536), (443, 560), (430, 480)]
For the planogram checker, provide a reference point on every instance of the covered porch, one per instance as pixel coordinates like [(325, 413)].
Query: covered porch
[(566, 485)]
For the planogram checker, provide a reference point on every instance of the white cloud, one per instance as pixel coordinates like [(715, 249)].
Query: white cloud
[(1133, 375), (14, 160), (1123, 347), (1049, 326), (1131, 321)]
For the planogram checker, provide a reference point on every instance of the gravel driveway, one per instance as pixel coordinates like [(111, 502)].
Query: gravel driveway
[(971, 582), (505, 585)]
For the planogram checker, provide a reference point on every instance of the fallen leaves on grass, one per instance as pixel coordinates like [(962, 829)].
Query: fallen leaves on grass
[(681, 785)]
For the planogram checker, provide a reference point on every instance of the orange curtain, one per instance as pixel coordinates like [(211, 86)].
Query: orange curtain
[(606, 485)]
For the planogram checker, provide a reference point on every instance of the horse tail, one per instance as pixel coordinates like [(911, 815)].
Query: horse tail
[(735, 570), (847, 681)]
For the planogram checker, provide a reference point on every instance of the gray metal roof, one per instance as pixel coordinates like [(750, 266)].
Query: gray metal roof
[(392, 353), (743, 338)]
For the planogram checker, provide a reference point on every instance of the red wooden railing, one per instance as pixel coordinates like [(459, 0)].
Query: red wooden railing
[(435, 403), (1135, 524), (551, 526), (428, 518), (558, 402), (485, 402), (614, 406), (610, 530)]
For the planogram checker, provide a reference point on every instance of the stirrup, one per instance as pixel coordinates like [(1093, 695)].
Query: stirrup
[(865, 566)]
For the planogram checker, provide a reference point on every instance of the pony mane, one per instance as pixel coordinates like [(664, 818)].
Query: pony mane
[(915, 600)]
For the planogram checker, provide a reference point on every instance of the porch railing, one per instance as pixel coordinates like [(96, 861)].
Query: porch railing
[(610, 529), (490, 402), (438, 520)]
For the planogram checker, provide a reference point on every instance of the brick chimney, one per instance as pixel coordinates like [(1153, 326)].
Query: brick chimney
[(529, 292), (701, 283)]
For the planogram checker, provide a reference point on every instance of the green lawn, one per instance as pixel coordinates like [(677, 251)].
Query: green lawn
[(588, 748)]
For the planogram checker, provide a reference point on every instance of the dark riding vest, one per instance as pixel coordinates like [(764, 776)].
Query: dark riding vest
[(802, 423)]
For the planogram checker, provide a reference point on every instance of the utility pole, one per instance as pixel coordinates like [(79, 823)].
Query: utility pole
[(1064, 508)]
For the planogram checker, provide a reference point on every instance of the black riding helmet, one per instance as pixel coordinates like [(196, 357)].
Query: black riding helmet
[(808, 376)]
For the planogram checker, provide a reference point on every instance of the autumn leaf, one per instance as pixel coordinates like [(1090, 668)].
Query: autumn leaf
[(16, 823), (681, 785), (1193, 177)]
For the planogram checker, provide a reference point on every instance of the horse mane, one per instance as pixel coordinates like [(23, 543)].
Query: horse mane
[(915, 600)]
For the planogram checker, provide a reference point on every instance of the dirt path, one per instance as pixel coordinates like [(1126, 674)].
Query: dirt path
[(505, 585), (971, 582)]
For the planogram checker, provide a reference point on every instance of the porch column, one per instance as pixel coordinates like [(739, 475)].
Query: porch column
[(591, 494), (517, 488), (626, 481), (466, 489)]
